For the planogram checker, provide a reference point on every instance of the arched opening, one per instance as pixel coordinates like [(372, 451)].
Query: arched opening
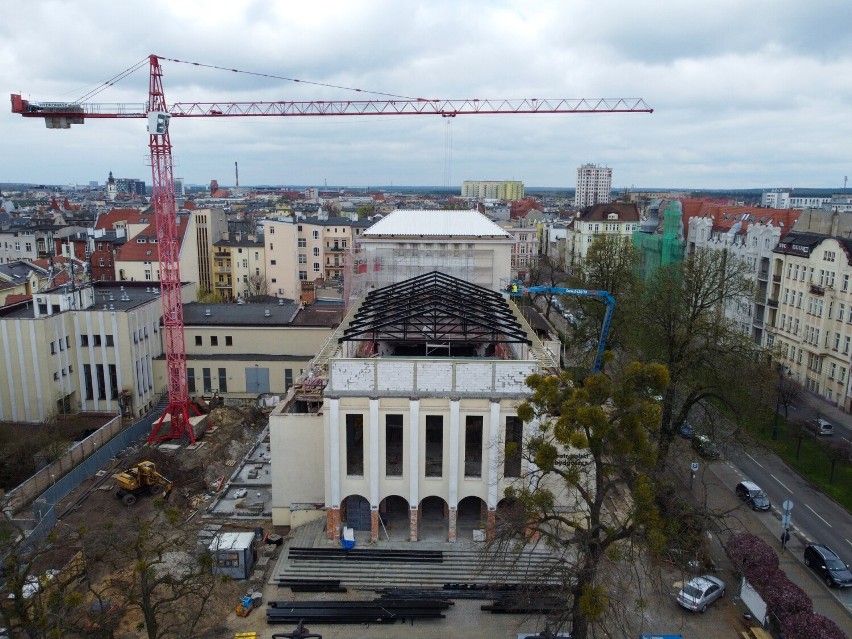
[(510, 517), (472, 516), (434, 520), (394, 519), (355, 512)]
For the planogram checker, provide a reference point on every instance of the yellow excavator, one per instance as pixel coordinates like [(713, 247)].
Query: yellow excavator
[(141, 479)]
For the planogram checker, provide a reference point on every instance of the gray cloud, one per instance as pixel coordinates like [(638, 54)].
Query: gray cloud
[(746, 94)]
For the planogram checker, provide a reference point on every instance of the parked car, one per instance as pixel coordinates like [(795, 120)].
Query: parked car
[(705, 447), (820, 427), (753, 495), (825, 562), (700, 592)]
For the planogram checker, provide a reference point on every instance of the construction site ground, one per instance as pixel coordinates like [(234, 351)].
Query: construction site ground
[(198, 472)]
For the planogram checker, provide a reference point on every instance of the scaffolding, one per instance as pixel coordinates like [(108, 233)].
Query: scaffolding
[(370, 267)]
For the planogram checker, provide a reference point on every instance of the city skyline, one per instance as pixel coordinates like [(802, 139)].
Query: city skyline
[(725, 83)]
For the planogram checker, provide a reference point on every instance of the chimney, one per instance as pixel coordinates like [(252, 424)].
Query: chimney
[(835, 224)]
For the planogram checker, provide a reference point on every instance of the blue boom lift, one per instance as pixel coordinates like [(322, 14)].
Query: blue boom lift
[(602, 296)]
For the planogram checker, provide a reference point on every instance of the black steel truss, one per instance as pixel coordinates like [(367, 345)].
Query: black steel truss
[(435, 308)]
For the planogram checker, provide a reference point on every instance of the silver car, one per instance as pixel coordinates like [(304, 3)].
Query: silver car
[(700, 592)]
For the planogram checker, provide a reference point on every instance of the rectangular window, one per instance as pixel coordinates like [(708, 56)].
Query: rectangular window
[(473, 446), (110, 341), (198, 340), (302, 242), (229, 341), (190, 380), (97, 340), (84, 340), (99, 371), (113, 381), (393, 446), (223, 380), (205, 374), (355, 445), (514, 445), (434, 446), (87, 381), (288, 378), (214, 340)]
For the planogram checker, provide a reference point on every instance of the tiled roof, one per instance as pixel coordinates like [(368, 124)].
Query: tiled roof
[(136, 250), (107, 221), (626, 212), (725, 217)]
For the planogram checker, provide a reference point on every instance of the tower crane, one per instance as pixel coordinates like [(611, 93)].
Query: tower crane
[(61, 115)]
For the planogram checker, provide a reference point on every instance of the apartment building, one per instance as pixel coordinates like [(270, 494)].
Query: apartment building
[(81, 348), (239, 267), (525, 248), (403, 422), (810, 305), (618, 219), (307, 249), (197, 231), (492, 189), (594, 185)]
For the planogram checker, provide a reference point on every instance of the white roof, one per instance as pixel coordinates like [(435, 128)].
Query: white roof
[(436, 223), (231, 541)]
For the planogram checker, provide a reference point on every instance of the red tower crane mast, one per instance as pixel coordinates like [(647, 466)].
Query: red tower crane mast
[(61, 115)]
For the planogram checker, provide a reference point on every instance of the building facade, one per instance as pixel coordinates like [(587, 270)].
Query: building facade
[(809, 305), (492, 190), (618, 219), (404, 424), (81, 348), (594, 185)]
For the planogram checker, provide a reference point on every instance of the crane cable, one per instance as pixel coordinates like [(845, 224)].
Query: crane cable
[(108, 83), (280, 77)]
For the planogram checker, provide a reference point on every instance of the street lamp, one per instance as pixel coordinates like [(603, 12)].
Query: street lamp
[(781, 369)]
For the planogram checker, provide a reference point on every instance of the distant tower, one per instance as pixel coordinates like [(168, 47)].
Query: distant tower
[(594, 185), (111, 188), (237, 174), (214, 186)]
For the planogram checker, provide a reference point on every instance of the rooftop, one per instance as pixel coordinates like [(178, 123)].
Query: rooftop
[(432, 223)]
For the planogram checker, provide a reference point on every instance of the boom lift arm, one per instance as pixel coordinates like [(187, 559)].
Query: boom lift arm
[(601, 296)]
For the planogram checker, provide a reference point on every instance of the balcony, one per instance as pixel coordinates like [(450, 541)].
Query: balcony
[(335, 249), (776, 278), (763, 275), (772, 303), (816, 289)]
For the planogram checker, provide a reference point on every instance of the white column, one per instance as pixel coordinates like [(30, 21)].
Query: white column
[(533, 432), (334, 451), (414, 469), (374, 453), (493, 455), (453, 496)]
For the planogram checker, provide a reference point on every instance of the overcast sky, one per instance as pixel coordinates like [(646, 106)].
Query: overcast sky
[(746, 94)]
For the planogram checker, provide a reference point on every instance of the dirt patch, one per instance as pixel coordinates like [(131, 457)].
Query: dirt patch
[(24, 448)]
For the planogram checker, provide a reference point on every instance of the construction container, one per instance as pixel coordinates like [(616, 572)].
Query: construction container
[(233, 554)]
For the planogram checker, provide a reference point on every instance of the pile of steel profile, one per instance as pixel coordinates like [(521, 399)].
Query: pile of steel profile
[(505, 598), (358, 554), (375, 611), (311, 585)]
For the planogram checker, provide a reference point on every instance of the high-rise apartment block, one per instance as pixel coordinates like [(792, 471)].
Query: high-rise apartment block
[(493, 190), (594, 184)]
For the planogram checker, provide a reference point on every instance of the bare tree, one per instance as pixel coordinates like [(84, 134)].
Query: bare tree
[(546, 271), (258, 287), (588, 492), (155, 571)]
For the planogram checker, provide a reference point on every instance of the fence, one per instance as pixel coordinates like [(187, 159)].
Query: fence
[(57, 487)]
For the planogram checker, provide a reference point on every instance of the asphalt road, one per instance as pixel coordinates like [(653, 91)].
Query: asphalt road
[(814, 516)]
